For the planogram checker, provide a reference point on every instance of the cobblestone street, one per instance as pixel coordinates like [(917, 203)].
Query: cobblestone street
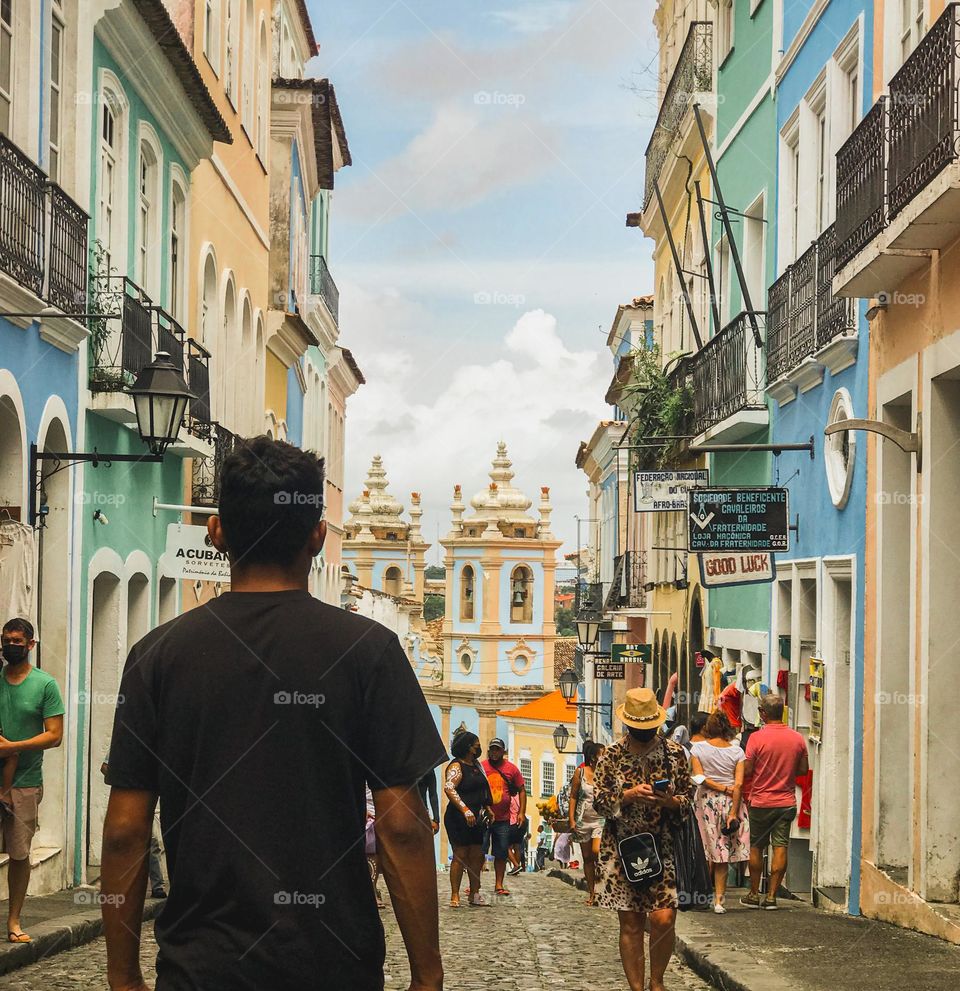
[(551, 940)]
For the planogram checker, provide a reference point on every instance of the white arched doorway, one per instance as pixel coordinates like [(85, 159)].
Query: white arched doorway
[(106, 600), (12, 458)]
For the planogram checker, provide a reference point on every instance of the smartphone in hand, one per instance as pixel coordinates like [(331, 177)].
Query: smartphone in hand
[(662, 785)]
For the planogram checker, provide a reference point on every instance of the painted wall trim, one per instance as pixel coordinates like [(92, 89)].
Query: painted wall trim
[(224, 174)]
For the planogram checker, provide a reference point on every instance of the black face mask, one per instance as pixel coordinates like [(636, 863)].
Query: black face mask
[(642, 735), (14, 653)]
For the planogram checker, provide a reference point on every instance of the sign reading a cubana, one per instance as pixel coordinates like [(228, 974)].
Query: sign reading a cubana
[(665, 491), (723, 568), (192, 556), (738, 520)]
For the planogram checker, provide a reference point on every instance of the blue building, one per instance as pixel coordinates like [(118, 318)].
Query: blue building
[(817, 374)]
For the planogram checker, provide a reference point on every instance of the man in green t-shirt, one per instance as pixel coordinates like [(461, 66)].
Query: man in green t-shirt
[(31, 721)]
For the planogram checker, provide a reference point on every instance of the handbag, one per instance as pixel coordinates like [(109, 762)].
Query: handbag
[(694, 884), (640, 859)]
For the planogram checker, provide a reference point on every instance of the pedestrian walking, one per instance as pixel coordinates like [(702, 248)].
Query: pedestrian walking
[(467, 816), (31, 719), (370, 846), (585, 821), (427, 787), (643, 789), (725, 832), (776, 756), (519, 831), (505, 781), (544, 846), (698, 722), (257, 718)]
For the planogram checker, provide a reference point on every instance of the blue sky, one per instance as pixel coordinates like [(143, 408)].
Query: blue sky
[(478, 240)]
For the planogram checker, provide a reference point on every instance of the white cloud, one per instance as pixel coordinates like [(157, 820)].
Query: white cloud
[(464, 156), (435, 431), (535, 18)]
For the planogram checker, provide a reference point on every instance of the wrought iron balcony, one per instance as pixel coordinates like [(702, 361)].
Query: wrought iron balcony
[(923, 115), (726, 373), (322, 285), (803, 314), (198, 378), (118, 353), (629, 578), (692, 74), (43, 232), (905, 141), (170, 337), (588, 597), (206, 471)]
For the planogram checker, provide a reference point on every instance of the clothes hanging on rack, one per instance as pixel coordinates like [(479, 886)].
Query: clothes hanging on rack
[(18, 569)]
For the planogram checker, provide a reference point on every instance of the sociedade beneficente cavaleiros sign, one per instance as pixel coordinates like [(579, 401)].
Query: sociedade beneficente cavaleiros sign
[(754, 519)]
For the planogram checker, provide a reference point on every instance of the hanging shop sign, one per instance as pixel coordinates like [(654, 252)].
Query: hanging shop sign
[(721, 569), (816, 700), (665, 491), (631, 653), (609, 671), (738, 520), (192, 556)]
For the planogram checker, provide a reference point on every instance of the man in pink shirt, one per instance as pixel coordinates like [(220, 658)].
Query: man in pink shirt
[(776, 756)]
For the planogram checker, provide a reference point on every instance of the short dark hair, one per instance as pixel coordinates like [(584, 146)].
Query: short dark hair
[(271, 499), (697, 722), (772, 706), (462, 743), (591, 751), (18, 625)]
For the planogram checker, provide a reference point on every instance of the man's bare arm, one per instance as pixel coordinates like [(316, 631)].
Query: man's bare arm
[(405, 846), (52, 736), (123, 883)]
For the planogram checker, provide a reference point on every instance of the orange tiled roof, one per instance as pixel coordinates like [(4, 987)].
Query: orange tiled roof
[(548, 709)]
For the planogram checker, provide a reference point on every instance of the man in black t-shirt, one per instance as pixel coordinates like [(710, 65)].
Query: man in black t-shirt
[(256, 719)]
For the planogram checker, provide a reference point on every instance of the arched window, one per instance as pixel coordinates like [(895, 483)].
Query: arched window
[(263, 90), (467, 593), (521, 595), (393, 581), (148, 216), (211, 33), (110, 177), (6, 67), (227, 346), (249, 67), (246, 363), (208, 304), (178, 240), (230, 76)]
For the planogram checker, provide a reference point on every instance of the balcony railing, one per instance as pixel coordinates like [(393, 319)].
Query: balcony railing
[(322, 285), (692, 74), (119, 353), (629, 578), (803, 315), (726, 372), (170, 337), (588, 597), (43, 233), (198, 379), (923, 113), (861, 211), (206, 471)]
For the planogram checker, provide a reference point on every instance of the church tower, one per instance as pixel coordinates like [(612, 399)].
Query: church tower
[(499, 629), (380, 549)]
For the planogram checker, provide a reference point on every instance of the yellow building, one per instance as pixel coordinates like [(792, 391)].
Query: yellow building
[(530, 745)]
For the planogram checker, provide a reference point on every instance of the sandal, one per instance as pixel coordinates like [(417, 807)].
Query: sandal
[(478, 901), (501, 891), (454, 901), (20, 937)]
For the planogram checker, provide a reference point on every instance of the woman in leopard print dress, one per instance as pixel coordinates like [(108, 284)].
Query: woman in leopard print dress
[(624, 794)]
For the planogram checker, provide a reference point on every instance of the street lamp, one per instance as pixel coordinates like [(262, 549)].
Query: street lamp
[(160, 397), (569, 683), (588, 629), (561, 737)]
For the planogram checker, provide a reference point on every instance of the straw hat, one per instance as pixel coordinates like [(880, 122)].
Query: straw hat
[(641, 710)]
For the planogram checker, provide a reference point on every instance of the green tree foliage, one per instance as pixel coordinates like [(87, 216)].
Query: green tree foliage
[(433, 607), (566, 622)]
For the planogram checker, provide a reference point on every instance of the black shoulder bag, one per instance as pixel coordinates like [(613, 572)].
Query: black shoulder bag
[(640, 858)]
